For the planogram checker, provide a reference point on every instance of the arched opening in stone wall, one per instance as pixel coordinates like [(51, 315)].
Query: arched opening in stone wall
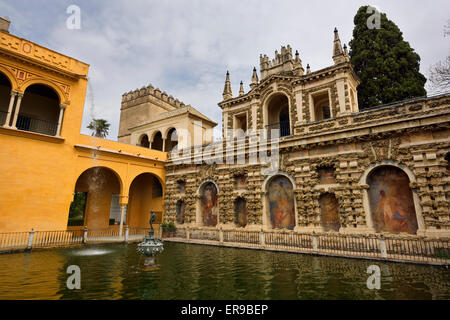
[(39, 110), (180, 208), (144, 142), (145, 195), (5, 97), (240, 212), (209, 204), (171, 140), (278, 116), (391, 201), (157, 143), (96, 199), (321, 106), (280, 204), (329, 209)]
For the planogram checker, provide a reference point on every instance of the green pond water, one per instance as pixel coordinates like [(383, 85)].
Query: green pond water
[(202, 272)]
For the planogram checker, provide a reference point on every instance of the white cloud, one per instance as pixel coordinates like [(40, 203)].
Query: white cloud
[(185, 47)]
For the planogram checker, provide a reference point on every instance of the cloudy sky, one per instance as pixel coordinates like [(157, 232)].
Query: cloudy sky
[(185, 47)]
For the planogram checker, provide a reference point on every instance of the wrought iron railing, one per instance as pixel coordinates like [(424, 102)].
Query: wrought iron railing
[(3, 115), (13, 241), (415, 250), (278, 130), (27, 123)]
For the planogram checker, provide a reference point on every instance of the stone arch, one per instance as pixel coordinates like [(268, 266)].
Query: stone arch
[(145, 195), (11, 78), (329, 211), (39, 110), (180, 211), (101, 186), (279, 203), (157, 141), (5, 98), (208, 204), (170, 133), (276, 104), (144, 141), (240, 212), (388, 189), (45, 82)]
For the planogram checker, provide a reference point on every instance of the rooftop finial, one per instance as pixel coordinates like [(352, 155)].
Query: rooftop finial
[(241, 89), (338, 53), (227, 94), (254, 79), (308, 69)]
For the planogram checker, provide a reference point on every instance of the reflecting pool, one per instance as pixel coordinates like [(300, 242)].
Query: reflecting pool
[(202, 272)]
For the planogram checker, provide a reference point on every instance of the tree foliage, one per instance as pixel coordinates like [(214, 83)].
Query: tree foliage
[(99, 127), (440, 72), (387, 66)]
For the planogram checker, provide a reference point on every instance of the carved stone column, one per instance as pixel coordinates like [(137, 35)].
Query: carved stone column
[(62, 107), (10, 108), (16, 112)]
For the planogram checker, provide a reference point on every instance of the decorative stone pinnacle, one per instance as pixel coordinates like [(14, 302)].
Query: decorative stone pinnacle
[(227, 94), (338, 53), (254, 79), (241, 89)]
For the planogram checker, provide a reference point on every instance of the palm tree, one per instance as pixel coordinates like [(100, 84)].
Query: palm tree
[(100, 128)]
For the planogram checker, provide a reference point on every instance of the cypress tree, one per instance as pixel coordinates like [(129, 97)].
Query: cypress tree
[(386, 64)]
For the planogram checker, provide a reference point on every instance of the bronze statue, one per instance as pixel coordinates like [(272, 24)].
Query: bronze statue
[(152, 219)]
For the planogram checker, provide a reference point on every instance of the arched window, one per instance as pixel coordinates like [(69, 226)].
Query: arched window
[(39, 110), (171, 140), (144, 142), (5, 96), (280, 203), (157, 143), (209, 204), (321, 106), (329, 210), (240, 212), (391, 201), (278, 116)]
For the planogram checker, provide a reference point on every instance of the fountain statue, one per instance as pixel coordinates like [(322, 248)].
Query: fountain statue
[(151, 245)]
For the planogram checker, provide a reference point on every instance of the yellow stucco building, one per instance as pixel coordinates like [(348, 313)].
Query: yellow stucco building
[(44, 158)]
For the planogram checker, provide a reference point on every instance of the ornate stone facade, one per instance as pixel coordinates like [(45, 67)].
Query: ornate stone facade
[(332, 137)]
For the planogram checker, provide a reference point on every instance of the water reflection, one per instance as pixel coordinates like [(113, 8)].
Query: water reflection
[(202, 272)]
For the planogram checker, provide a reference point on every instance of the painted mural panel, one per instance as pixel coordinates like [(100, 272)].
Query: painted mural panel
[(329, 206), (209, 205), (240, 212), (391, 201), (180, 212), (280, 194)]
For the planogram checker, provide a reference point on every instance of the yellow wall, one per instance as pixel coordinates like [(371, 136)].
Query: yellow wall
[(39, 172)]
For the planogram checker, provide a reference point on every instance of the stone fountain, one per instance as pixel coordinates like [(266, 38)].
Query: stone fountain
[(151, 245)]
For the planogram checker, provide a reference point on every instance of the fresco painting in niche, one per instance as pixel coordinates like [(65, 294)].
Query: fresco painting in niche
[(329, 209), (209, 205), (180, 212), (240, 212), (391, 201), (280, 194)]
